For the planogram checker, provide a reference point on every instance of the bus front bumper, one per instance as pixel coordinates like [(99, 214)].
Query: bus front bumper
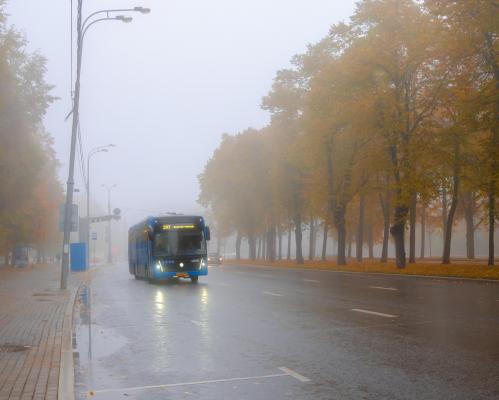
[(179, 274)]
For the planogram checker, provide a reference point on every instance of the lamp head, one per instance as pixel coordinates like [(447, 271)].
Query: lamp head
[(142, 10), (124, 18)]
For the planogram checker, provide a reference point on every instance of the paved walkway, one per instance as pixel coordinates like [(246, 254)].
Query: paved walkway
[(32, 330)]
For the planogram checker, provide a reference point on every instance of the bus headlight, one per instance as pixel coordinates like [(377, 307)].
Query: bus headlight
[(202, 264), (159, 266)]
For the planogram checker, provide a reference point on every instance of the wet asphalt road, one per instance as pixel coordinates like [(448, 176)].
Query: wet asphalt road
[(273, 333)]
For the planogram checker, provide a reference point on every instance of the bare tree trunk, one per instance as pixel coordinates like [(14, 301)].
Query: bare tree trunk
[(468, 202), (264, 246), (385, 206), (492, 215), (398, 232), (238, 245), (450, 218), (259, 251), (279, 236), (360, 229), (350, 239), (341, 229), (324, 241), (311, 243), (444, 211), (288, 255), (454, 201), (298, 239), (271, 250), (252, 247), (423, 229), (412, 229), (370, 240)]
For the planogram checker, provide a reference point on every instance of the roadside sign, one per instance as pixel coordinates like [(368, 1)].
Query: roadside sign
[(74, 217)]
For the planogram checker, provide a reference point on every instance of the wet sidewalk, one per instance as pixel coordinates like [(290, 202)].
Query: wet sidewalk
[(35, 322)]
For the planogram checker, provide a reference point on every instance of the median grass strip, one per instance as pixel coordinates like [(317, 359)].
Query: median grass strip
[(461, 269)]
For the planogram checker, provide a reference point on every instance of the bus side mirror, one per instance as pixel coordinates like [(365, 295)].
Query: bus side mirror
[(207, 233), (150, 232)]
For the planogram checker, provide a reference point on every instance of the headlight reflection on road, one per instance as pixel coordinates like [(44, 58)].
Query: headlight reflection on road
[(204, 295), (207, 362), (159, 301)]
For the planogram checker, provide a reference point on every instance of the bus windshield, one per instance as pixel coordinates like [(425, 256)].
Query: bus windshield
[(179, 242)]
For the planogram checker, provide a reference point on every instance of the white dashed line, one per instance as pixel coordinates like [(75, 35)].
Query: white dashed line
[(311, 280), (294, 374), (197, 323), (273, 294), (374, 313), (384, 288)]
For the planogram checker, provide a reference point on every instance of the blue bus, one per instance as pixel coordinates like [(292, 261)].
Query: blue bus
[(168, 247)]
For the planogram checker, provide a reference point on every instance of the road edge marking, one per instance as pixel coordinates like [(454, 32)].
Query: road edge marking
[(384, 288), (168, 385), (294, 374), (273, 294), (379, 314)]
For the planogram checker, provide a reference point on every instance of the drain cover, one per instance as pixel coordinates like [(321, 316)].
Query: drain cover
[(13, 348)]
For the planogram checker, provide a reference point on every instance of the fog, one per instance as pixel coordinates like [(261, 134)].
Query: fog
[(167, 86)]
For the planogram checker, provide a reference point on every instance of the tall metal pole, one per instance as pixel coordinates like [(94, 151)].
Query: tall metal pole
[(70, 181), (109, 241), (109, 249), (88, 209)]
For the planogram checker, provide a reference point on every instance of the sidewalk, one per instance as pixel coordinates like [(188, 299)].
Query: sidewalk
[(33, 327)]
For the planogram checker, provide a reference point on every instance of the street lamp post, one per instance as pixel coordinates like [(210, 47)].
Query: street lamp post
[(95, 150), (75, 124), (109, 246)]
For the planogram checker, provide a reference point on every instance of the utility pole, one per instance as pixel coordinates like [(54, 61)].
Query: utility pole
[(70, 181), (109, 243)]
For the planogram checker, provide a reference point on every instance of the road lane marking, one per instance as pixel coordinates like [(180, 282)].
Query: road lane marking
[(294, 374), (273, 294), (374, 313), (197, 323), (311, 280), (384, 288), (285, 372)]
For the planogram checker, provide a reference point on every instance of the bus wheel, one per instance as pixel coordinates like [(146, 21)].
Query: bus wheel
[(135, 272), (194, 279)]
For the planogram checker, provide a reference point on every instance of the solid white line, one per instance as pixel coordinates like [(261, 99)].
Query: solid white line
[(384, 288), (311, 280), (294, 374), (374, 313), (169, 385), (197, 323), (273, 294)]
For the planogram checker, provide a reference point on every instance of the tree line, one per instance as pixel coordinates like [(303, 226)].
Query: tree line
[(30, 192), (389, 121)]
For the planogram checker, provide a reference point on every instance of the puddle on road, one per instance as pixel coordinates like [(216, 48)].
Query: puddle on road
[(91, 343)]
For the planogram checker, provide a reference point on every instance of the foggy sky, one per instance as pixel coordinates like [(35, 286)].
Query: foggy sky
[(167, 86)]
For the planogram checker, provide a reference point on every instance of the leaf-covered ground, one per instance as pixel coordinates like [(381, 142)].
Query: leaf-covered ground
[(460, 268)]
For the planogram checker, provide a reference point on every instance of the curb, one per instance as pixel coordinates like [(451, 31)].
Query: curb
[(66, 369)]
